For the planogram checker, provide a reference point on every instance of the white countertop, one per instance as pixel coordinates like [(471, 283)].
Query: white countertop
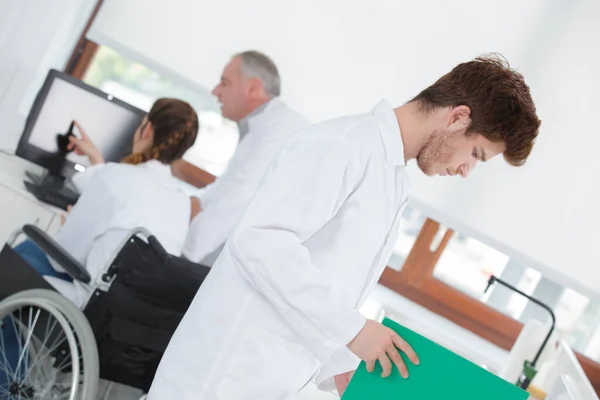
[(12, 174)]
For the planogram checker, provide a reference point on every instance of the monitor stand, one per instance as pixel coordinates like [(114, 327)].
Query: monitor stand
[(47, 181), (50, 188)]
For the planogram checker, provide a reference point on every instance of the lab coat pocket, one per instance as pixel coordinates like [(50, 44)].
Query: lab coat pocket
[(265, 366)]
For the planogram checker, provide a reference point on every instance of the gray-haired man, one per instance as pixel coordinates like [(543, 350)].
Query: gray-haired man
[(248, 92)]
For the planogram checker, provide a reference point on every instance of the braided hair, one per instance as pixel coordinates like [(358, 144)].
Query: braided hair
[(175, 125)]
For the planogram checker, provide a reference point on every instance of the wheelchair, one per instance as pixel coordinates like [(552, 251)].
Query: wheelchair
[(119, 335)]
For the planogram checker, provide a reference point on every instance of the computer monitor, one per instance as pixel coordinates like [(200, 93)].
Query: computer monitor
[(110, 123)]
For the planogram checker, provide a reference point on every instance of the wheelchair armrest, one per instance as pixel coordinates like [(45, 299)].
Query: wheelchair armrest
[(57, 253)]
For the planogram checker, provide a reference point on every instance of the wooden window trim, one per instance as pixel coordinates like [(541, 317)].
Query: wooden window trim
[(84, 60), (416, 282), (84, 51)]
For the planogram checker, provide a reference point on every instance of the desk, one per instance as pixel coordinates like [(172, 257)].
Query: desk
[(19, 207)]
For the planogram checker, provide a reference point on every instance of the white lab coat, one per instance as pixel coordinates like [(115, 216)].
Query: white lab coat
[(223, 202), (116, 198), (280, 303)]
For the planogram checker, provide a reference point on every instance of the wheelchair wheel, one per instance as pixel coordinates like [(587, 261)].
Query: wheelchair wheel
[(47, 349)]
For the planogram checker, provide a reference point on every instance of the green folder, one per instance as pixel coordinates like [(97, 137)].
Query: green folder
[(441, 375)]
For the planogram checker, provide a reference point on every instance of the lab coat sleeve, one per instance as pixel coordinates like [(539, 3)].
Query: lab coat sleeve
[(81, 180), (211, 228), (341, 361), (205, 194), (302, 190)]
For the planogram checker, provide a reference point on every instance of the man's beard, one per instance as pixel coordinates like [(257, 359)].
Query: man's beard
[(437, 150)]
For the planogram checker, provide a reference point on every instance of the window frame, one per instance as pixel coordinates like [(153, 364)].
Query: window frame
[(416, 282), (84, 51), (83, 59)]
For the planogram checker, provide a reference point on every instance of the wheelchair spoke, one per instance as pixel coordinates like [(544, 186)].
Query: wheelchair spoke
[(42, 381), (65, 393), (19, 338), (38, 356), (4, 388), (47, 332), (64, 364), (53, 348), (43, 359), (33, 364), (11, 373), (43, 352), (43, 373), (29, 336), (4, 393), (68, 364), (4, 363), (5, 374), (42, 367)]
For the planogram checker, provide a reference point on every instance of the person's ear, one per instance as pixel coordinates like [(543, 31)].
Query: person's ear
[(255, 87), (459, 119), (148, 132)]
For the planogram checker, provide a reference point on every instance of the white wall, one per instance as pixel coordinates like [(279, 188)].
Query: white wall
[(547, 213), (34, 37), (336, 56), (341, 56)]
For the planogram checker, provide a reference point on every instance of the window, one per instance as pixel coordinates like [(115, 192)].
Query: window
[(586, 333), (466, 264), (138, 85)]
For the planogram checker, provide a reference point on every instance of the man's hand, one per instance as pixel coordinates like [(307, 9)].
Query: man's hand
[(376, 342), (63, 217), (196, 207), (342, 381)]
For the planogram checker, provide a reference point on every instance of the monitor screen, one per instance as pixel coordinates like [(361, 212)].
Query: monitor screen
[(109, 122)]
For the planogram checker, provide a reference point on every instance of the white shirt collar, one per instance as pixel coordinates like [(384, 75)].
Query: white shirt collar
[(244, 124), (155, 165), (390, 133)]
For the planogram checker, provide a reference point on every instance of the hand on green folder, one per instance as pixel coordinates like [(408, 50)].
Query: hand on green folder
[(378, 343), (441, 374)]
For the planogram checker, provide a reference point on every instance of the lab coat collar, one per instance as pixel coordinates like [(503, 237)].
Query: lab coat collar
[(244, 124), (390, 133), (162, 169)]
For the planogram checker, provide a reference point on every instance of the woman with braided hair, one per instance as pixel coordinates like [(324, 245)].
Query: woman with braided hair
[(117, 197), (165, 134)]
